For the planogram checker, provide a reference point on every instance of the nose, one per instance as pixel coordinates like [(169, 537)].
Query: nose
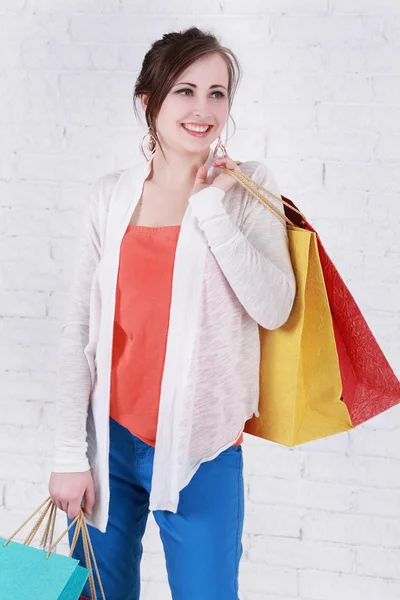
[(201, 109)]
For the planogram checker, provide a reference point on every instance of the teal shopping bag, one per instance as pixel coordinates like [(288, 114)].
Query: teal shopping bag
[(25, 573), (28, 573)]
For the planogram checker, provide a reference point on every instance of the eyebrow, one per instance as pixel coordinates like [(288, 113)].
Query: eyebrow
[(195, 86)]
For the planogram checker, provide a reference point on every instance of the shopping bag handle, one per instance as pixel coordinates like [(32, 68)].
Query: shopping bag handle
[(81, 527), (32, 534), (254, 188)]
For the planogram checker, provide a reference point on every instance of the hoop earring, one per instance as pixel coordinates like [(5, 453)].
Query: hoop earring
[(220, 148), (150, 146)]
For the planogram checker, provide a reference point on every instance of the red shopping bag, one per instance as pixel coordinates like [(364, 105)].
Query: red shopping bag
[(369, 384)]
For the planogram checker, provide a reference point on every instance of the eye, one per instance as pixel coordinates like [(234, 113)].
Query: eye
[(221, 95)]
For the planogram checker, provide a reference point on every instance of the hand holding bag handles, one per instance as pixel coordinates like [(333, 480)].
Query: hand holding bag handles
[(63, 573)]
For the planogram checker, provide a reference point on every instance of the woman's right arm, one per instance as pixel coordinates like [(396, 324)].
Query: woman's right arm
[(71, 469)]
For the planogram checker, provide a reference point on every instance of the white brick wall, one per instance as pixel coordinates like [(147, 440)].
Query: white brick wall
[(320, 102)]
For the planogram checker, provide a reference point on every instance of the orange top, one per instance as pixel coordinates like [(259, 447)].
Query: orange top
[(141, 319)]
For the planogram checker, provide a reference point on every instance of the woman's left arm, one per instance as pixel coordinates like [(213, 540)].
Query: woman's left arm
[(254, 259)]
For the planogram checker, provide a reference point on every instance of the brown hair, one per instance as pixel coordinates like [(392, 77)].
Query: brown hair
[(168, 58)]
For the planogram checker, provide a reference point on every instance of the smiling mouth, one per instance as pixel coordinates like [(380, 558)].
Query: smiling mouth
[(198, 132)]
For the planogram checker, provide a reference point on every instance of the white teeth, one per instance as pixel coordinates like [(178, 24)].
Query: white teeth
[(195, 127)]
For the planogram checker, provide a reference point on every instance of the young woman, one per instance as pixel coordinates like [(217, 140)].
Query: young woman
[(177, 267)]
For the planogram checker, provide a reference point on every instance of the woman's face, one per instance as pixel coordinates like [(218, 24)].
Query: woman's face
[(200, 102)]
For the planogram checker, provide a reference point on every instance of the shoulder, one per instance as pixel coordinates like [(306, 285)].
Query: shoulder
[(102, 188), (260, 172), (98, 204)]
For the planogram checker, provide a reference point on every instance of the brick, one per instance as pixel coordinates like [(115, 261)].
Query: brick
[(23, 277), (343, 118), (301, 554), (312, 583), (269, 579), (27, 468), (327, 30), (290, 7), (42, 7), (24, 440), (23, 303), (264, 458), (28, 250), (386, 88), (57, 167), (353, 470), (380, 502), (369, 442), (344, 177), (22, 194), (378, 562), (350, 528), (21, 413), (304, 494), (364, 7), (272, 520), (26, 385)]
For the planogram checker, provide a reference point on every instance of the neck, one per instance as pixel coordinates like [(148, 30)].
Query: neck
[(178, 173)]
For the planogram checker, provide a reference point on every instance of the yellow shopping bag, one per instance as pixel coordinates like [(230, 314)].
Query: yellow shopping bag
[(300, 377), (300, 380)]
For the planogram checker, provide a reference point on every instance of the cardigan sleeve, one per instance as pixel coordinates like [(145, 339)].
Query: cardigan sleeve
[(74, 378), (255, 258)]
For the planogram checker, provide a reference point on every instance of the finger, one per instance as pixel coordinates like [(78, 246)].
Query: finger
[(201, 176), (73, 510), (89, 499), (56, 502), (229, 166), (225, 162)]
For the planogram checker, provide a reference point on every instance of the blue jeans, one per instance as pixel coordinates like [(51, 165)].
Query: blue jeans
[(202, 541)]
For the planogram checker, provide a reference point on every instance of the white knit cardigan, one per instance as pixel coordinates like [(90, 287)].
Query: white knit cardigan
[(232, 272)]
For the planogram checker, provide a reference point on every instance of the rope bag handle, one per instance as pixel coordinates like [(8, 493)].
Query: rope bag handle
[(48, 535), (255, 188)]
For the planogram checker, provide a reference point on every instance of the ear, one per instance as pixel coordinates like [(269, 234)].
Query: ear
[(144, 99)]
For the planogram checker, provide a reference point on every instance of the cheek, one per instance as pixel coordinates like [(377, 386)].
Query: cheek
[(221, 113), (223, 121), (175, 105), (171, 111)]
